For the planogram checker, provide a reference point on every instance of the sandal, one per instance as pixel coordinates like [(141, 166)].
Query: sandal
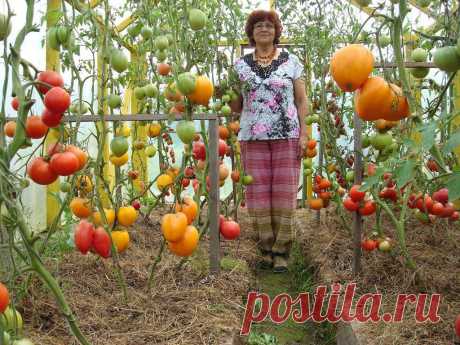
[(266, 260), (280, 264)]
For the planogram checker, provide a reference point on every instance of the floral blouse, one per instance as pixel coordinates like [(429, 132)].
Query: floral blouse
[(269, 111)]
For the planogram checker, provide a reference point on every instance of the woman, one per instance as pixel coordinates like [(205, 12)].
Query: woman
[(272, 136)]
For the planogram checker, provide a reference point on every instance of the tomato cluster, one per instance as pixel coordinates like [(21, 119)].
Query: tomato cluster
[(356, 201), (437, 205), (321, 188)]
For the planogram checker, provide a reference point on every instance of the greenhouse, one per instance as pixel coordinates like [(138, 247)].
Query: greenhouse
[(229, 172)]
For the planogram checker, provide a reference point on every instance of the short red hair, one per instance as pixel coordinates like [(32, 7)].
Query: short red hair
[(260, 16)]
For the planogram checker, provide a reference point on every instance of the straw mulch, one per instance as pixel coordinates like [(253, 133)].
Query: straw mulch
[(436, 251), (186, 307)]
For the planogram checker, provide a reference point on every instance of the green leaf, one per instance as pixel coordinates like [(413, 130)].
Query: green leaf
[(453, 185), (404, 173), (428, 132), (452, 143)]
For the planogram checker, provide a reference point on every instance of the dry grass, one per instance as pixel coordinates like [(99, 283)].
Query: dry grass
[(436, 251)]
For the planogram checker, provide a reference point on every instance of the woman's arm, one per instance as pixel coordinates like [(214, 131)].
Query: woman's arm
[(301, 102), (237, 104)]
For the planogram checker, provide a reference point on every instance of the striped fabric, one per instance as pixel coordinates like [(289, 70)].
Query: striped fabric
[(272, 197)]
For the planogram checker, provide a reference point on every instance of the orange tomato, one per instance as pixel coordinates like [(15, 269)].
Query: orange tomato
[(189, 207), (81, 155), (80, 207), (109, 215), (187, 245), (126, 215), (316, 204), (120, 239), (10, 129), (173, 226)]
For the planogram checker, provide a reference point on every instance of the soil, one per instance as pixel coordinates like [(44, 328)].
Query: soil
[(187, 306)]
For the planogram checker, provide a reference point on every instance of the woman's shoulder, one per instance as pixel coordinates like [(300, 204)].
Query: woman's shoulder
[(243, 60), (294, 58)]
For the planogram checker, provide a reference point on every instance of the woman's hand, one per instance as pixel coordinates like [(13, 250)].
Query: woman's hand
[(302, 146)]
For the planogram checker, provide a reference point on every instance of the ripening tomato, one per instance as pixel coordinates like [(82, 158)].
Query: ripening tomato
[(102, 243), (64, 163), (229, 229), (15, 103), (355, 194), (51, 119), (35, 128), (369, 245), (40, 171), (350, 205), (222, 147), (4, 298), (437, 209), (368, 208), (83, 236), (81, 155), (49, 77), (57, 100)]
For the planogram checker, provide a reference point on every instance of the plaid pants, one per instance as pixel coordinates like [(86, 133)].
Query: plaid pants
[(272, 197)]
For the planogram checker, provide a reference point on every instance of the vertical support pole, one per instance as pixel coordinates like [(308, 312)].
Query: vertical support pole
[(139, 129), (455, 125), (52, 63), (358, 167), (102, 77), (213, 207), (308, 186)]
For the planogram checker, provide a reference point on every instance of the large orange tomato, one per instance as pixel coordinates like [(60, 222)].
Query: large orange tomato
[(81, 155), (173, 226), (203, 91), (4, 298), (127, 215), (189, 207), (80, 207), (187, 244)]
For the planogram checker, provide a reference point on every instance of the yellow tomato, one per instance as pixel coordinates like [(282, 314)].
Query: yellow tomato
[(119, 161)]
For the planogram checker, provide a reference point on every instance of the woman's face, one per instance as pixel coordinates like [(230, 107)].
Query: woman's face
[(264, 32)]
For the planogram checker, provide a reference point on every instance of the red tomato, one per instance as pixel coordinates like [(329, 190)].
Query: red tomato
[(64, 163), (457, 326), (455, 216), (49, 77), (222, 147), (199, 150), (57, 100), (35, 128), (441, 195), (81, 155), (350, 205), (230, 229), (448, 210), (4, 298), (83, 236), (355, 194), (102, 243), (51, 119), (185, 182), (437, 209), (369, 245), (15, 103), (40, 171), (368, 208)]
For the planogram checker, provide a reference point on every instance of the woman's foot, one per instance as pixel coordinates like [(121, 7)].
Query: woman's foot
[(266, 260), (280, 264)]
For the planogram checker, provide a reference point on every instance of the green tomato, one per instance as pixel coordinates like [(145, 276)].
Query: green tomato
[(185, 131), (226, 98), (135, 30), (307, 163), (350, 176), (8, 322), (162, 55), (197, 19), (247, 179), (62, 34), (419, 72), (114, 101), (380, 141), (186, 83), (6, 339), (139, 93), (161, 43), (118, 60), (52, 39), (226, 110), (315, 118), (366, 141), (309, 120), (150, 90), (217, 106), (65, 187), (150, 151), (419, 55), (119, 146), (146, 33)]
